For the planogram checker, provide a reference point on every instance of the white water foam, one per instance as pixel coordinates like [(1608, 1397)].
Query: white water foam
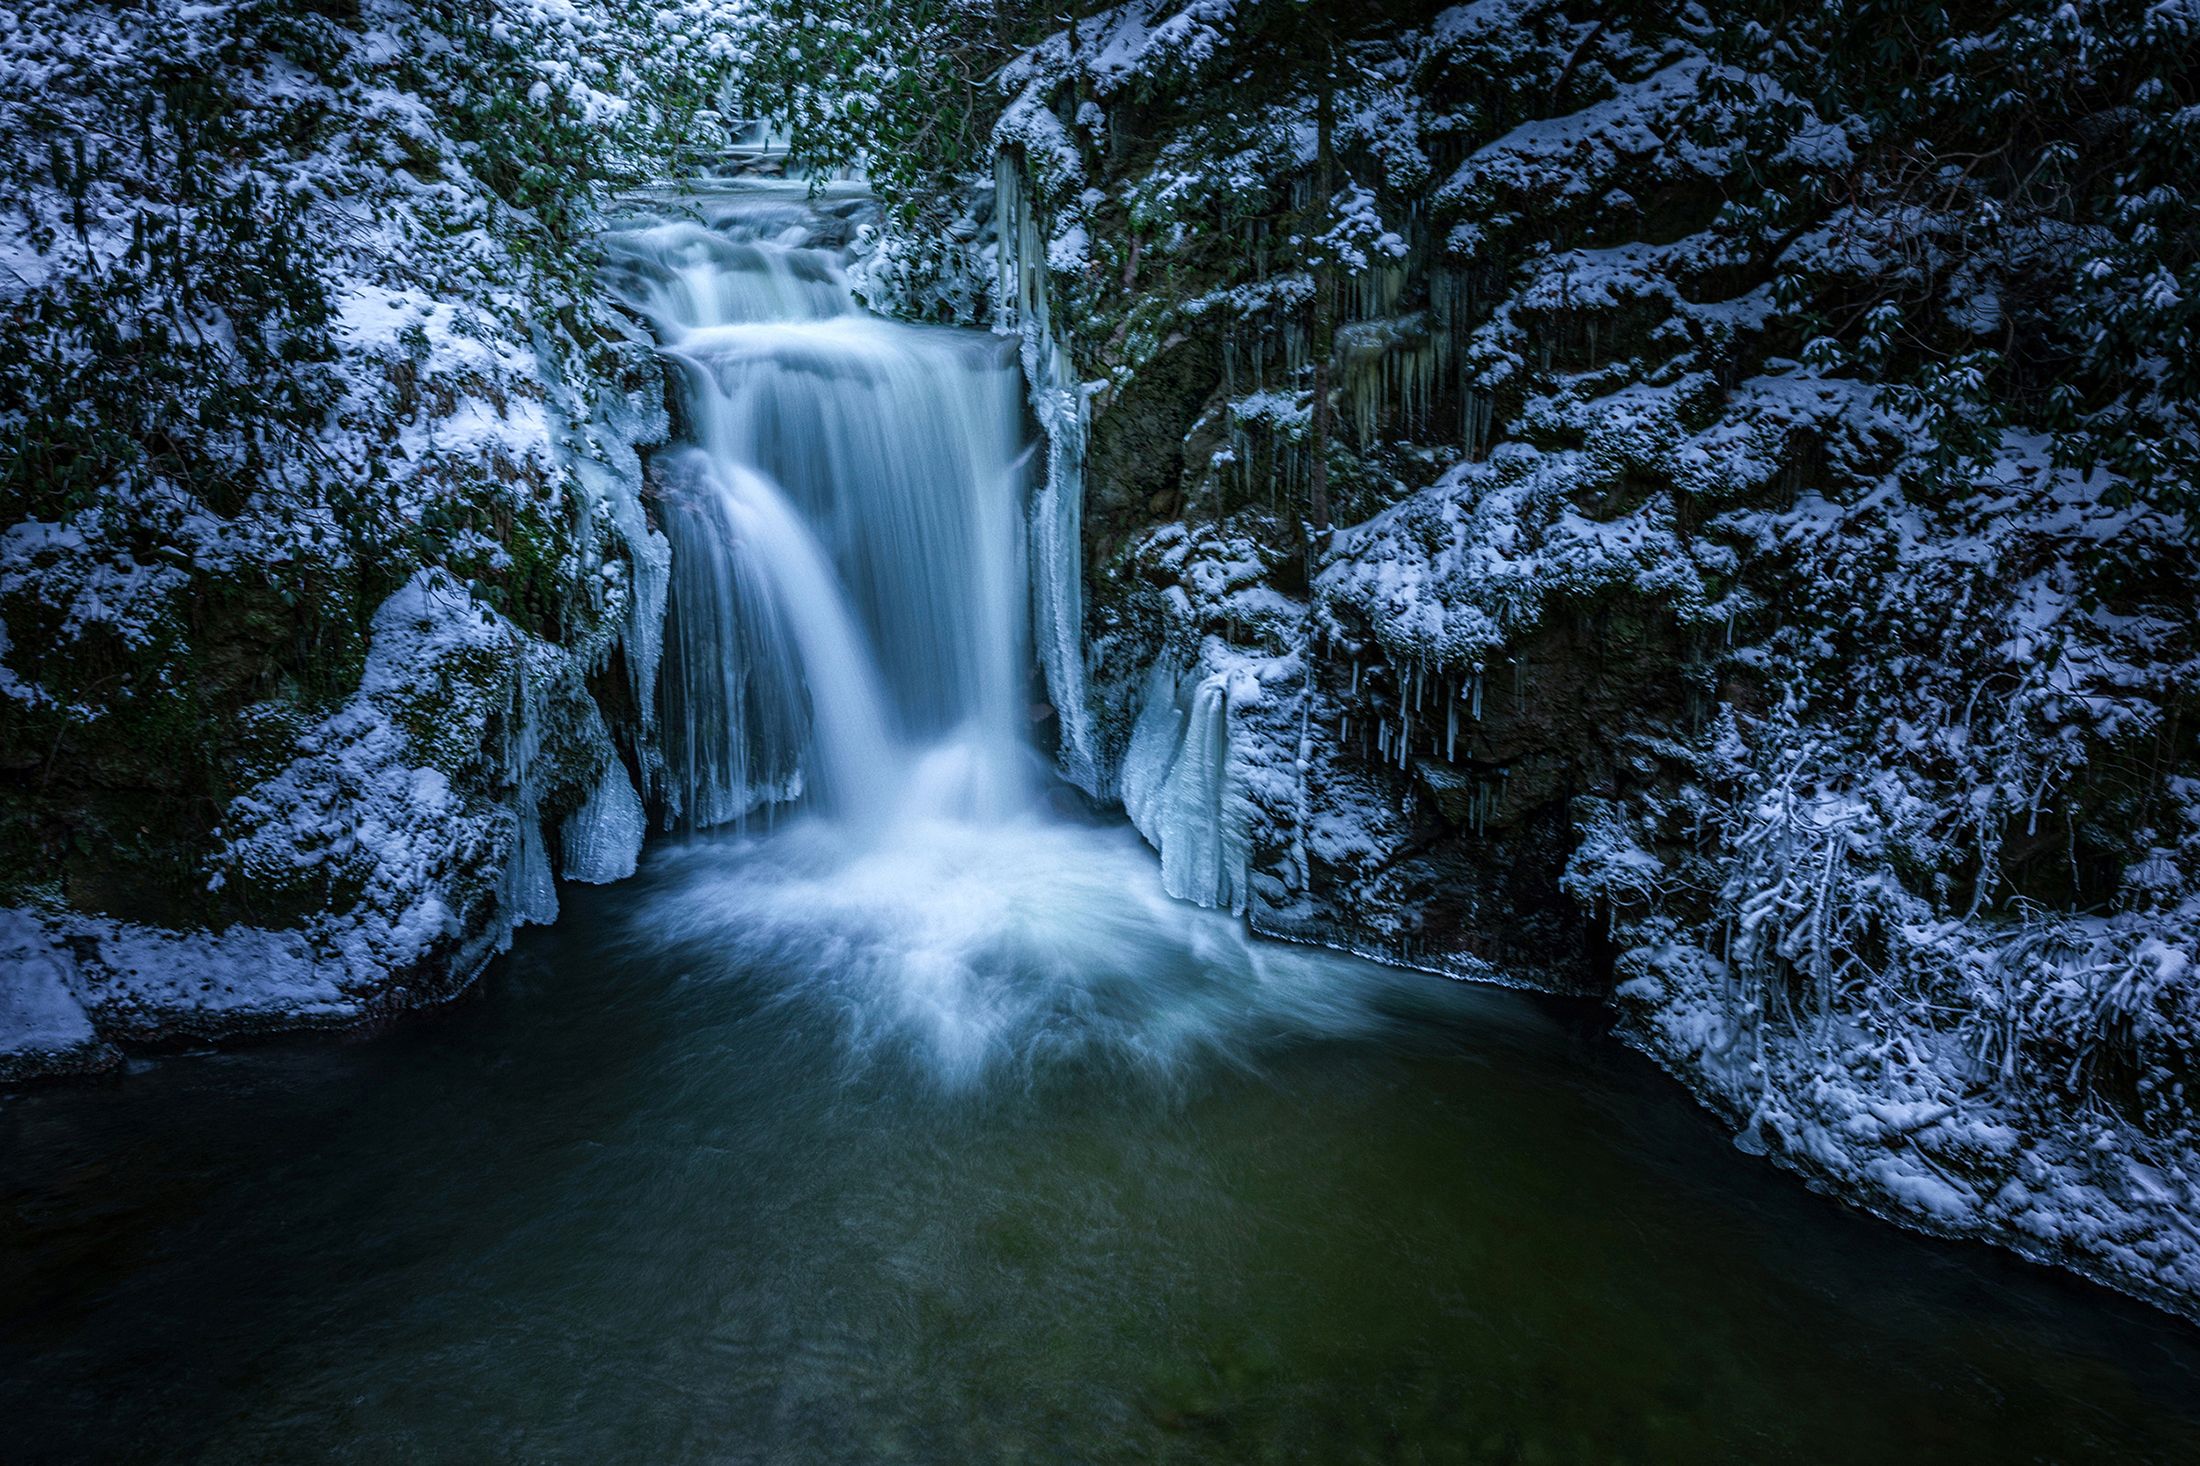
[(849, 626)]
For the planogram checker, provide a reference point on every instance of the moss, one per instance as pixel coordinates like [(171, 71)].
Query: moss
[(122, 805)]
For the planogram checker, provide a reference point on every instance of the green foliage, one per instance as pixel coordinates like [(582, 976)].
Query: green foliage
[(2021, 183), (901, 88)]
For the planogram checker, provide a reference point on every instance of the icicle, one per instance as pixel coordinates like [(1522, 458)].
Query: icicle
[(602, 839), (1479, 412), (1180, 790), (1057, 510), (526, 886)]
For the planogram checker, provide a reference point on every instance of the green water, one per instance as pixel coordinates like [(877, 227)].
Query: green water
[(770, 1156)]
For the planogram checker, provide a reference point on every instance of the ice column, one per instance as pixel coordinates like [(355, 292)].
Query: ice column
[(1179, 792)]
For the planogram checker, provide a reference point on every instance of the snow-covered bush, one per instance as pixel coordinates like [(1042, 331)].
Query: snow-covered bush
[(299, 318)]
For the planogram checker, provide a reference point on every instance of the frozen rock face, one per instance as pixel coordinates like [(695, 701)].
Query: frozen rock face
[(330, 610), (1785, 682), (412, 830)]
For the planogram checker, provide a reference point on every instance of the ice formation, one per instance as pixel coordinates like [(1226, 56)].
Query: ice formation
[(1179, 790), (1058, 398)]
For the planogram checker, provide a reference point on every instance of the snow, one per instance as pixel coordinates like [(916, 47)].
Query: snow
[(43, 1026), (466, 431), (378, 798), (1692, 327), (1568, 154), (1143, 40)]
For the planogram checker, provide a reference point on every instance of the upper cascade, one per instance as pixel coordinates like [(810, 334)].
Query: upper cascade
[(847, 616)]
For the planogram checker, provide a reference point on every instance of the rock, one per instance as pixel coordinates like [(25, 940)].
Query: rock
[(43, 1028)]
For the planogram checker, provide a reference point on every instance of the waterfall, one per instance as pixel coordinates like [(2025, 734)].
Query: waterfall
[(853, 588), (848, 580)]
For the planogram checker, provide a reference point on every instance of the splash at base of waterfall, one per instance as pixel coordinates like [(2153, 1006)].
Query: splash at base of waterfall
[(849, 628), (988, 953)]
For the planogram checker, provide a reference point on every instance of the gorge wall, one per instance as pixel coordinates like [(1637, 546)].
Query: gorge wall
[(326, 574), (1667, 506)]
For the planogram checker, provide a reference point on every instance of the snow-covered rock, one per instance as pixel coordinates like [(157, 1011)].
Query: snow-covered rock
[(1739, 605), (43, 1027), (323, 531)]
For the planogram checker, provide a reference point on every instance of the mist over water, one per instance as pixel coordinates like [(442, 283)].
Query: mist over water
[(956, 953)]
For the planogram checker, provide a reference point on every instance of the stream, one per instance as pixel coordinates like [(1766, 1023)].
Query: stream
[(895, 1113)]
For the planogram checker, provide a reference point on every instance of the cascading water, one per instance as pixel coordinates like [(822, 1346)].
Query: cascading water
[(848, 576), (849, 636)]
